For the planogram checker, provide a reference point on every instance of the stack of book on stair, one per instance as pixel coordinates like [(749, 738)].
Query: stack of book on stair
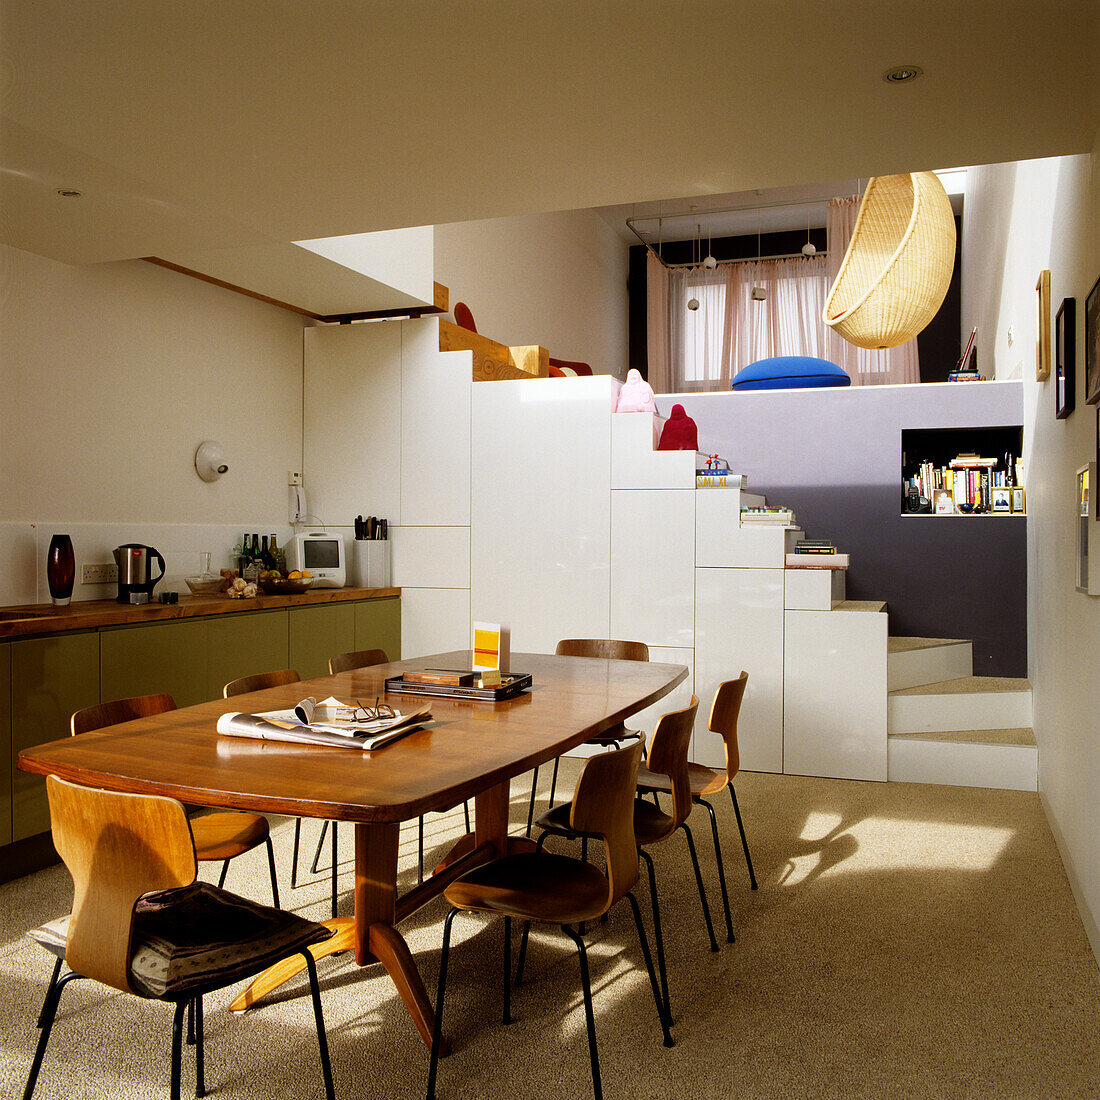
[(814, 546), (768, 516)]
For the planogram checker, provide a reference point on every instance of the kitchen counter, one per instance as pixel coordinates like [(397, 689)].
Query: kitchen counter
[(26, 620)]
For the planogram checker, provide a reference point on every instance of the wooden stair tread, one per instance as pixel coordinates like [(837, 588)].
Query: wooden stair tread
[(906, 645), (1018, 736), (969, 685)]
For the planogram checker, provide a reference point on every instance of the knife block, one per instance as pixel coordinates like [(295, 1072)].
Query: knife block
[(370, 563)]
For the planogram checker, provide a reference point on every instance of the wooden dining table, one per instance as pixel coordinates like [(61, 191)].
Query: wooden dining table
[(471, 749)]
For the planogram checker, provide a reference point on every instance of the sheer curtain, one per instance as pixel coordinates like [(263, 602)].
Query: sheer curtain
[(703, 349), (866, 368)]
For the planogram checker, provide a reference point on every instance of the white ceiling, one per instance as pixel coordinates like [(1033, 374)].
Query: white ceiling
[(192, 126)]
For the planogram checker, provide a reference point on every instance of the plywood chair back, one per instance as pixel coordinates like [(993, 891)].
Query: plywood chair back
[(723, 718), (669, 756), (363, 658), (258, 681), (119, 710), (609, 649), (603, 805), (117, 847)]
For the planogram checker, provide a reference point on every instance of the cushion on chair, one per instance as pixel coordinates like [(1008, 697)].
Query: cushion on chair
[(785, 372), (200, 938), (52, 935)]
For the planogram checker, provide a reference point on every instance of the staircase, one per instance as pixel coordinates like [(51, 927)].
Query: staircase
[(947, 726)]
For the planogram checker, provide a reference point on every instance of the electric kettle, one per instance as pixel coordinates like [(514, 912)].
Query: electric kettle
[(135, 585)]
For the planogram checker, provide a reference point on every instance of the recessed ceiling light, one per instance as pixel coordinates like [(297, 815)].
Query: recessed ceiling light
[(69, 193), (902, 74)]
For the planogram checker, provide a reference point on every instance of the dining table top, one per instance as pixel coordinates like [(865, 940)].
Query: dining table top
[(470, 745)]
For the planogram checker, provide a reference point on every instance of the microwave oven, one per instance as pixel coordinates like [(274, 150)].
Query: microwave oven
[(322, 554)]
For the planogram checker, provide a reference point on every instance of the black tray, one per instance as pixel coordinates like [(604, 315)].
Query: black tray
[(514, 683)]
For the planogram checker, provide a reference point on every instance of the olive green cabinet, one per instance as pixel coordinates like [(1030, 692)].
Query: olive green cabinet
[(51, 676), (240, 645), (45, 678), (319, 632), (378, 626), (153, 658), (6, 757)]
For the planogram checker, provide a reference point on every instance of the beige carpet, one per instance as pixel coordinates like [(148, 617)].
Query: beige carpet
[(906, 941)]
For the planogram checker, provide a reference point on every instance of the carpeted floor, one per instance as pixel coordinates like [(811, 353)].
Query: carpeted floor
[(906, 941)]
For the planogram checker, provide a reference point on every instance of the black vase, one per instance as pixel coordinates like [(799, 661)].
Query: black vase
[(61, 569)]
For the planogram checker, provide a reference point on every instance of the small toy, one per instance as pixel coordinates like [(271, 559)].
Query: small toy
[(636, 394), (679, 432)]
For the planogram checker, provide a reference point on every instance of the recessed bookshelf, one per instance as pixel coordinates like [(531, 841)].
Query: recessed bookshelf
[(962, 472)]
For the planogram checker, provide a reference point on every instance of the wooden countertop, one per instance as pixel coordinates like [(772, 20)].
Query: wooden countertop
[(47, 619)]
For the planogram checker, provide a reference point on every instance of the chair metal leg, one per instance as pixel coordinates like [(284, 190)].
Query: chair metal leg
[(522, 951), (177, 1049), (699, 884), (466, 812), (200, 1056), (659, 937), (320, 844), (294, 860), (507, 971), (531, 807), (335, 871), (741, 829), (225, 871), (437, 1030), (644, 941), (554, 781), (190, 1040), (318, 1016), (49, 1012), (271, 868), (721, 869), (420, 848), (586, 988), (49, 988)]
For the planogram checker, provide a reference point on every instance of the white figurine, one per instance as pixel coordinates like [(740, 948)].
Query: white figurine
[(636, 395)]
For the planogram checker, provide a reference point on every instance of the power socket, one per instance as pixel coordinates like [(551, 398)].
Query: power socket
[(99, 574), (293, 477)]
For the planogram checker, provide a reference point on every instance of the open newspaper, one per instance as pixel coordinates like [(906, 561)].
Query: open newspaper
[(328, 722)]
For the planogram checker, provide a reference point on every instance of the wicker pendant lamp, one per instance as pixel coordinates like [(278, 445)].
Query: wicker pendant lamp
[(898, 265)]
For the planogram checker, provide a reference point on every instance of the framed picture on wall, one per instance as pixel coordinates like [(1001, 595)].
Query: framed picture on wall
[(1065, 358), (1042, 327), (1092, 344)]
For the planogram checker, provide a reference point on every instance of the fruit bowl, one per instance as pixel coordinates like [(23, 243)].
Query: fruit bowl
[(274, 585)]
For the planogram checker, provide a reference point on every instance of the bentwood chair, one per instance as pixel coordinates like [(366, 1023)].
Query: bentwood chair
[(551, 889), (258, 681), (143, 924), (364, 658), (668, 757), (609, 650), (706, 781)]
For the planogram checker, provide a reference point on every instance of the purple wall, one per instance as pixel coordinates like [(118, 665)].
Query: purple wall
[(834, 456)]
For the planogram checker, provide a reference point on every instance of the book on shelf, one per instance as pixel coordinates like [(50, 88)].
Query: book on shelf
[(966, 461), (720, 481), (816, 561), (329, 722), (776, 516)]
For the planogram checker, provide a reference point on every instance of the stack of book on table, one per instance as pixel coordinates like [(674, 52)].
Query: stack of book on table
[(768, 516)]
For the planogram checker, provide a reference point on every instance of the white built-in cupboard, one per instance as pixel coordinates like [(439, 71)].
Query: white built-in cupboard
[(533, 503)]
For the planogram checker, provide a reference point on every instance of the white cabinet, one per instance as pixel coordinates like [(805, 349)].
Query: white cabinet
[(653, 565), (541, 509), (739, 625), (352, 422), (835, 694)]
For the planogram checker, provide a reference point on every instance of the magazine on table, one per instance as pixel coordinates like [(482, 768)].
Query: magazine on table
[(328, 722)]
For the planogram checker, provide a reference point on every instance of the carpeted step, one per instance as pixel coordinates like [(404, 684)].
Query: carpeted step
[(1007, 759), (964, 703), (916, 662)]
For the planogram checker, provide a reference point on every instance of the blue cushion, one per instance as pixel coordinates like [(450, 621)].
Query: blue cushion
[(788, 372)]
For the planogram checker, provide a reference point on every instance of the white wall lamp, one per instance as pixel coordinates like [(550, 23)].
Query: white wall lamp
[(210, 460)]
